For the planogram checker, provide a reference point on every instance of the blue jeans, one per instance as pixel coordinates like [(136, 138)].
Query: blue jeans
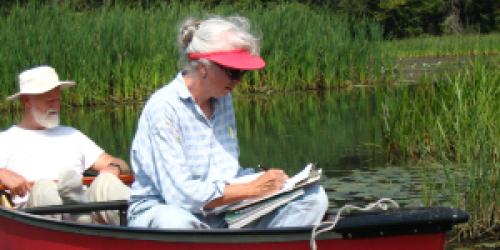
[(306, 210)]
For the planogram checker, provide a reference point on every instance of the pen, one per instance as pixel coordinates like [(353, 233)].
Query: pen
[(262, 168)]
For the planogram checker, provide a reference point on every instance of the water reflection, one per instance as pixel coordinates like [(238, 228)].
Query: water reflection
[(338, 131)]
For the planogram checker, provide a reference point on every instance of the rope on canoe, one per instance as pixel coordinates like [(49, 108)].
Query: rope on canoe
[(382, 204)]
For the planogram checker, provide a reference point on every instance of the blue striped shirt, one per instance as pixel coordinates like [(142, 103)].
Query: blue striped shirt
[(180, 156)]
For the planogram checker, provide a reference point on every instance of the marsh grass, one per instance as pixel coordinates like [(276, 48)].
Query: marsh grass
[(122, 54), (111, 53), (313, 49), (442, 46), (452, 121)]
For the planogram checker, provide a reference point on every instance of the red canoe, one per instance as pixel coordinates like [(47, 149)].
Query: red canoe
[(421, 228)]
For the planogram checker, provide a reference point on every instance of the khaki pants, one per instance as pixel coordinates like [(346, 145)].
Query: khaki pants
[(69, 189)]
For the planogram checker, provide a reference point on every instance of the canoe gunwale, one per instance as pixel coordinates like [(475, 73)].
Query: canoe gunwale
[(168, 235), (359, 225)]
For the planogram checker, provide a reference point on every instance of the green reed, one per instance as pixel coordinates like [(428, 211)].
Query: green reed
[(122, 54), (450, 124), (313, 49), (107, 51), (450, 45)]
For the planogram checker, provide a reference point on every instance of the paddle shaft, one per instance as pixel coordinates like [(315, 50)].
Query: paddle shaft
[(87, 180)]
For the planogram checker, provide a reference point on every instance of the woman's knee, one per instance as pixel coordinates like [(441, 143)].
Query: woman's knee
[(318, 197), (167, 216)]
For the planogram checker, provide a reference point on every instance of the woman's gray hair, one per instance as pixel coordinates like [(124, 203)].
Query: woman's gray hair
[(215, 34)]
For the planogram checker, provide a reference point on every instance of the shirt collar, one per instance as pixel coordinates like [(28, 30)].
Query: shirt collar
[(182, 89)]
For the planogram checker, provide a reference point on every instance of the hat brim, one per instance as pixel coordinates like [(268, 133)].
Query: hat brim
[(62, 85), (236, 59)]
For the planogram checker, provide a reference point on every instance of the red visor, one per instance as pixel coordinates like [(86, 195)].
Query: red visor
[(236, 59)]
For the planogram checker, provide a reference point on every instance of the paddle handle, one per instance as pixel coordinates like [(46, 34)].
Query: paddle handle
[(87, 180)]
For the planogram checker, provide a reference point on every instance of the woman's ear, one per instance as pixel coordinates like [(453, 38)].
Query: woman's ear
[(203, 70)]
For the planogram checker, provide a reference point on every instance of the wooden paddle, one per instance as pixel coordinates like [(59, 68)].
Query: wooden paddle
[(87, 180), (5, 200)]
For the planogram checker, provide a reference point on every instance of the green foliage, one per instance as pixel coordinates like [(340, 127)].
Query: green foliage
[(399, 18), (453, 121), (403, 18), (107, 58), (441, 46), (121, 54), (391, 4)]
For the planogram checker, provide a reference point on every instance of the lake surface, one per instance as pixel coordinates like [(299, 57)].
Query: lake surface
[(340, 132)]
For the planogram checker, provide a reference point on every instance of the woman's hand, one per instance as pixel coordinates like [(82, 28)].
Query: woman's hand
[(16, 183), (269, 182)]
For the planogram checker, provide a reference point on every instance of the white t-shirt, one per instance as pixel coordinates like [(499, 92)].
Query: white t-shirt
[(42, 154)]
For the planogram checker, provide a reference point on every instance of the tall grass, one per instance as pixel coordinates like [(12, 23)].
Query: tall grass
[(121, 53), (313, 49), (116, 53), (453, 122), (451, 45)]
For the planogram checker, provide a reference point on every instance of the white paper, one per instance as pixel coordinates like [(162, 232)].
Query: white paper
[(287, 186)]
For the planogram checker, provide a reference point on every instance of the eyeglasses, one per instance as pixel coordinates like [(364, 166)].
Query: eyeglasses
[(234, 74)]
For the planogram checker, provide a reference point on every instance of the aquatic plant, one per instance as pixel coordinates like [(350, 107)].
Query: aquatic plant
[(444, 46), (452, 122), (121, 54)]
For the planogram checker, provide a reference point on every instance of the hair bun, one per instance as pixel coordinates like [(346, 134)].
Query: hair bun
[(187, 31)]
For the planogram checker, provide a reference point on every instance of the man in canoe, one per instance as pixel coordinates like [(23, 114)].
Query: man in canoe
[(185, 149), (37, 152)]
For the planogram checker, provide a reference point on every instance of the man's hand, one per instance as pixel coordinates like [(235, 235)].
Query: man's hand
[(17, 184), (112, 168), (270, 182), (109, 164)]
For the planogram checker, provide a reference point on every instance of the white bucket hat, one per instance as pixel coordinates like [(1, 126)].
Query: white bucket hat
[(38, 81)]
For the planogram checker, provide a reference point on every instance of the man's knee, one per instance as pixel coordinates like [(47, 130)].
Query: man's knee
[(107, 187), (44, 193)]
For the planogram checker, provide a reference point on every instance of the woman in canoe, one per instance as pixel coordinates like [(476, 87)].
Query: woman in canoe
[(185, 150)]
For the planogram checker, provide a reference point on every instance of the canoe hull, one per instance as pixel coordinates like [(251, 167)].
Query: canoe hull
[(15, 235), (19, 230)]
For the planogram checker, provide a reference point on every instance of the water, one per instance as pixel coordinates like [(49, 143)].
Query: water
[(340, 132)]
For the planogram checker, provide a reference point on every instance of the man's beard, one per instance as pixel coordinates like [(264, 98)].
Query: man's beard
[(49, 119)]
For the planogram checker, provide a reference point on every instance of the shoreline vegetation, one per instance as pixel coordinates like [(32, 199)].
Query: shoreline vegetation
[(123, 54), (450, 124), (447, 121)]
